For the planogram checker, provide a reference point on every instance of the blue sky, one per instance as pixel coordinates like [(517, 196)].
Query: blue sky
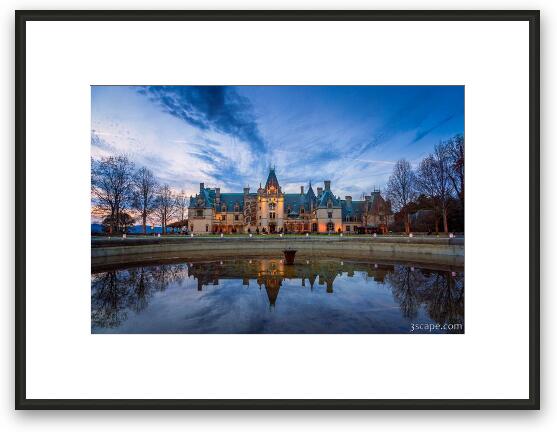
[(228, 136)]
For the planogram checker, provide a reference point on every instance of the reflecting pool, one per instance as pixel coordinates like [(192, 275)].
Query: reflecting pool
[(265, 295)]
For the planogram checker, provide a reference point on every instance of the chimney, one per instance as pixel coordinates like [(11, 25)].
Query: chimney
[(348, 199), (319, 191), (327, 185), (246, 190), (201, 187), (302, 190), (217, 195)]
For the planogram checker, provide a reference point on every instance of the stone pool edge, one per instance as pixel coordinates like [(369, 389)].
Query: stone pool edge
[(420, 249)]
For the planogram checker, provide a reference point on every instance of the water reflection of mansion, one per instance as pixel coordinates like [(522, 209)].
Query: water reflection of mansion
[(116, 294), (271, 210), (271, 273)]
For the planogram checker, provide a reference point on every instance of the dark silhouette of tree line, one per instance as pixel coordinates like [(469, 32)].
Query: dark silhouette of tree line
[(436, 185), (122, 195), (442, 293), (116, 292)]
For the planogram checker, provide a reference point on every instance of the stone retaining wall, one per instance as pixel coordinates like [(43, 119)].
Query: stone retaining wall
[(443, 250)]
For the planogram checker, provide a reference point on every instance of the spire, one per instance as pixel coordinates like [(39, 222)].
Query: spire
[(272, 183), (272, 286), (310, 194)]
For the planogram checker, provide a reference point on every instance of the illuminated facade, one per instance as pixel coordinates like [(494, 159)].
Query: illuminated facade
[(270, 210)]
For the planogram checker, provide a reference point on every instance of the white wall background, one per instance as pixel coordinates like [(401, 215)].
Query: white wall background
[(247, 421)]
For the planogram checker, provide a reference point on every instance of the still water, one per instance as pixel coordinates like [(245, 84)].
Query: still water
[(265, 295)]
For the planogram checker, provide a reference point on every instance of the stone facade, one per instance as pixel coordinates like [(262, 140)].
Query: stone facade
[(270, 210)]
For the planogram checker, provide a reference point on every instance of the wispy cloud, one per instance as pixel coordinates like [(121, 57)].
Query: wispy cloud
[(97, 142), (229, 136), (215, 108), (424, 132)]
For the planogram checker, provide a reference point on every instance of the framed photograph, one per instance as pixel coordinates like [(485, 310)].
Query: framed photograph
[(267, 210)]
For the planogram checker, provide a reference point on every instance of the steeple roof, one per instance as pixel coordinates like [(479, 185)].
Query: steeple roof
[(272, 180), (310, 194)]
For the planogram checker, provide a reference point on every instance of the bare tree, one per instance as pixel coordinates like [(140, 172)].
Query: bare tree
[(111, 187), (145, 193), (401, 189), (165, 206), (455, 149), (442, 181), (426, 181)]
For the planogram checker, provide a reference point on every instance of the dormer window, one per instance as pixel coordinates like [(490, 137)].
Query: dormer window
[(302, 210), (330, 204), (237, 207), (223, 208)]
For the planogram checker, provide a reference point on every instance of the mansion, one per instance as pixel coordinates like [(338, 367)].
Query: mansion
[(269, 210)]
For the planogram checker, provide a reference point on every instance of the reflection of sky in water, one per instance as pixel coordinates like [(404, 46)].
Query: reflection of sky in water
[(364, 298)]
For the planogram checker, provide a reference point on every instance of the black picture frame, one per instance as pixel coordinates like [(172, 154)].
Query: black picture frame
[(531, 16)]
